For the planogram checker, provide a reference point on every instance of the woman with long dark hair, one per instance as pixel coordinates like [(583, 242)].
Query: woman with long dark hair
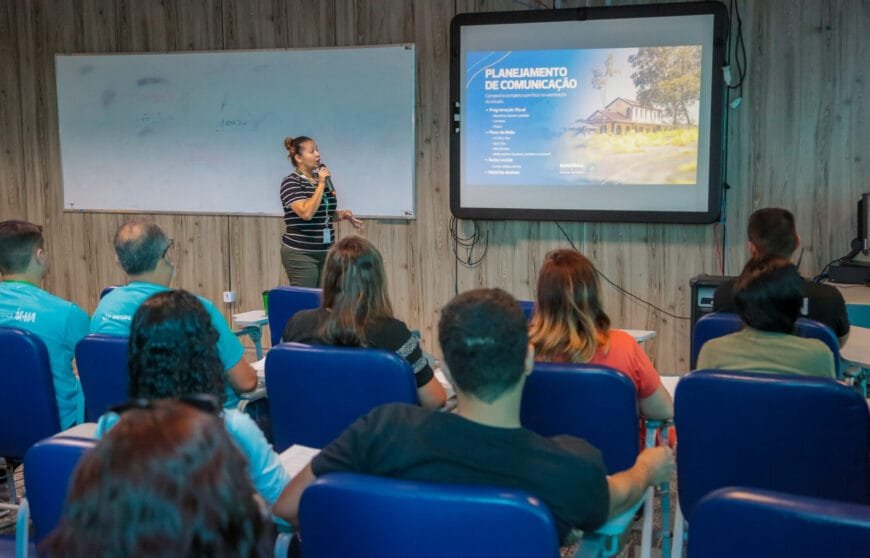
[(569, 325), (769, 294), (172, 353), (166, 481), (356, 311)]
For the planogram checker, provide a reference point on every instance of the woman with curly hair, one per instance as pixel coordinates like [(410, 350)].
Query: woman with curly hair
[(166, 481), (569, 325), (356, 311), (172, 353)]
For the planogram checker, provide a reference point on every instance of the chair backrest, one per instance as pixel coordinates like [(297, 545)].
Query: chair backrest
[(711, 326), (28, 407), (284, 302), (107, 290), (48, 468), (719, 324), (102, 365), (528, 308), (345, 514), (795, 434), (595, 403), (745, 522), (316, 392), (817, 330)]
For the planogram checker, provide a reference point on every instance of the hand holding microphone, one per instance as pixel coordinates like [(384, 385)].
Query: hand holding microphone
[(324, 174)]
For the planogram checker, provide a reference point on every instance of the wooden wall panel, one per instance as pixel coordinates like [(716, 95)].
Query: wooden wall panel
[(799, 139), (13, 200)]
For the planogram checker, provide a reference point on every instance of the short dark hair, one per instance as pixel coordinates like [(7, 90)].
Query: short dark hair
[(172, 351), (18, 242), (484, 337), (139, 246), (769, 294), (773, 232), (178, 486)]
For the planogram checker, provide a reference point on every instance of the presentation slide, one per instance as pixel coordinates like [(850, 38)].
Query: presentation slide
[(608, 118), (583, 117)]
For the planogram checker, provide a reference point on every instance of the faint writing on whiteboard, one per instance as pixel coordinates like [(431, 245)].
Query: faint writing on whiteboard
[(152, 117), (232, 124)]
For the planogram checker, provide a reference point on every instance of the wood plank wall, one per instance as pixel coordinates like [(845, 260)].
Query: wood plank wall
[(800, 139)]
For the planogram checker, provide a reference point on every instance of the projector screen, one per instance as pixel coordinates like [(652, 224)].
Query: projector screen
[(601, 114)]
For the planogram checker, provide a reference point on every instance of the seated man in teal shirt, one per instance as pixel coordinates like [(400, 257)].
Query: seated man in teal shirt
[(23, 305), (143, 249)]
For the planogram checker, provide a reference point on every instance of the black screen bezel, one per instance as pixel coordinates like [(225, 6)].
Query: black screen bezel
[(717, 116)]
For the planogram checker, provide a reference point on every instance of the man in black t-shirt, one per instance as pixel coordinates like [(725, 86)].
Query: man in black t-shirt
[(483, 335), (771, 231)]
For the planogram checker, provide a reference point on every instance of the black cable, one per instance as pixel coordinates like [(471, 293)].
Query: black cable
[(617, 287), (857, 246), (468, 243), (738, 45)]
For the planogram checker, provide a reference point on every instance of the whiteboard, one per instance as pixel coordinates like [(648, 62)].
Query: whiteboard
[(204, 132)]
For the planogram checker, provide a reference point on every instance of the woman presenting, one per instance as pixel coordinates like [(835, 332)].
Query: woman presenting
[(310, 211)]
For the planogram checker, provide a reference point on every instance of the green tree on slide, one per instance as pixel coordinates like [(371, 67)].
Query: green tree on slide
[(668, 78)]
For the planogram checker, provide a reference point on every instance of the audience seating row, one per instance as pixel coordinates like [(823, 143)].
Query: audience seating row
[(755, 419)]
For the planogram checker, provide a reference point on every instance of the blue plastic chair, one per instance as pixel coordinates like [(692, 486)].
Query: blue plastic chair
[(598, 404), (316, 392), (745, 522), (719, 324), (48, 469), (528, 308), (284, 302), (812, 329), (108, 289), (345, 514), (795, 434), (711, 326), (102, 365), (28, 407)]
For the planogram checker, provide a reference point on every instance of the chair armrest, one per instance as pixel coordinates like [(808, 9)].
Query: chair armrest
[(605, 540)]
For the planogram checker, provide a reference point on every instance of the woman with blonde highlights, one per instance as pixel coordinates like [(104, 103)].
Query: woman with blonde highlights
[(569, 325), (356, 311)]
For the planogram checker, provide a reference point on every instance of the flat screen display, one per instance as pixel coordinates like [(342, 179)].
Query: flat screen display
[(604, 114)]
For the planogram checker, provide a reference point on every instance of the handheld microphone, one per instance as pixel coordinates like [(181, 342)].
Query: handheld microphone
[(329, 187)]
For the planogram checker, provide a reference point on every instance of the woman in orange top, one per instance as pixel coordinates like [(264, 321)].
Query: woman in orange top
[(569, 325)]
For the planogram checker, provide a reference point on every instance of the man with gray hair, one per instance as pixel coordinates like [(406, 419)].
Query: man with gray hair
[(143, 251)]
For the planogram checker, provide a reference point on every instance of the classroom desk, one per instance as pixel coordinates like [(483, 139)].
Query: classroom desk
[(857, 299), (251, 324), (856, 352), (670, 384)]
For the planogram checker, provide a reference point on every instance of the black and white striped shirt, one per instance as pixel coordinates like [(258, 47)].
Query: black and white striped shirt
[(299, 234)]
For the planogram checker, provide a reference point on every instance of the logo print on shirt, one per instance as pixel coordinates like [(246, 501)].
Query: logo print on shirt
[(24, 317)]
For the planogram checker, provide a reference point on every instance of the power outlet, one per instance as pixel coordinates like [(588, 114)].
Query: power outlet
[(229, 297)]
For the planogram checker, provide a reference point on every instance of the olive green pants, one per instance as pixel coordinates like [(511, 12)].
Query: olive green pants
[(303, 268)]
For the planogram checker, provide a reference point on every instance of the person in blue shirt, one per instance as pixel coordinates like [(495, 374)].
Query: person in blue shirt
[(173, 354), (60, 324), (143, 252)]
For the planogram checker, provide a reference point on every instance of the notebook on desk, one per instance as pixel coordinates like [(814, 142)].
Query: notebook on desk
[(296, 457)]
